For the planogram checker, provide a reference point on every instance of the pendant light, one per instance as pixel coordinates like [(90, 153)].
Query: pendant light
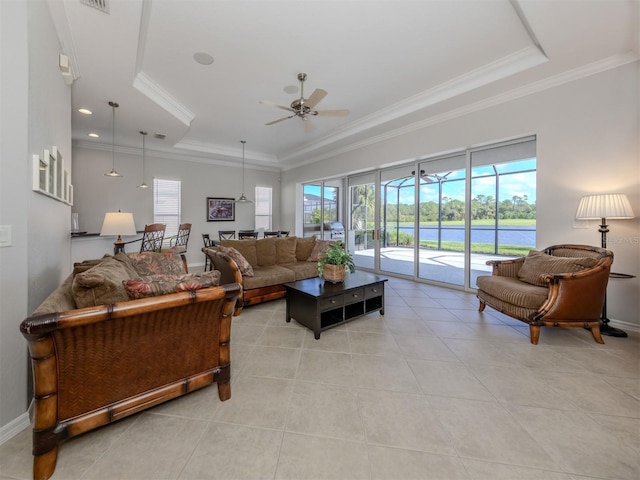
[(113, 172), (143, 185), (242, 198)]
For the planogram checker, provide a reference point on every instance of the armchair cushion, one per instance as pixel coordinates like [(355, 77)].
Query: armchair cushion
[(538, 264), (513, 291)]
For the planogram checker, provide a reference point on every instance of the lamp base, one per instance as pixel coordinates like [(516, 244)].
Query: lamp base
[(606, 329)]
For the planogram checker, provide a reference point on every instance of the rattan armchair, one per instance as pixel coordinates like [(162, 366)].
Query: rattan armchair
[(570, 298)]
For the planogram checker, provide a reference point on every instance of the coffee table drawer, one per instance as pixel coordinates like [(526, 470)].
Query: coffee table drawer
[(372, 291), (352, 296), (329, 303)]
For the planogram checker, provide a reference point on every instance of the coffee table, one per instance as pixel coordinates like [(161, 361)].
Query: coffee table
[(319, 305)]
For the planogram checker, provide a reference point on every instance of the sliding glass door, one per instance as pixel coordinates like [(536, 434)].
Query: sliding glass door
[(441, 219), (361, 229)]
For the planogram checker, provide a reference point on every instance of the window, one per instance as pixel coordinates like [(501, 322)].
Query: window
[(264, 214), (166, 204)]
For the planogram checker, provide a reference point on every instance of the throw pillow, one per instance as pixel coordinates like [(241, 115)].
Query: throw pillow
[(319, 250), (285, 250), (537, 264), (243, 265), (247, 249), (304, 247), (101, 285), (152, 263), (155, 285)]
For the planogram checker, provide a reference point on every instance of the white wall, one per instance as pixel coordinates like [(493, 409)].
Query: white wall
[(35, 115), (587, 142), (96, 194)]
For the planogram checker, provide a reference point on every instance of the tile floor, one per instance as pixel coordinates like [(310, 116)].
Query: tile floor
[(432, 390)]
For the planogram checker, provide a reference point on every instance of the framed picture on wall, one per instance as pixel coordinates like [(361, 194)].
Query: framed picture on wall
[(220, 209)]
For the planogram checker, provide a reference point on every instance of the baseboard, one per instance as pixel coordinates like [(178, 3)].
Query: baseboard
[(14, 427), (626, 326)]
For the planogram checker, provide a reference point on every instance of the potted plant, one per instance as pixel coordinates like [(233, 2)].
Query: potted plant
[(333, 265)]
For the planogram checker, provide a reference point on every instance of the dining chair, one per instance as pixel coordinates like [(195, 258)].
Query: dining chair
[(152, 237), (271, 234), (246, 234), (227, 234)]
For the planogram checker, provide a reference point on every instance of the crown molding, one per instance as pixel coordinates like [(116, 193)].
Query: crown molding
[(229, 159), (214, 149), (539, 86), (145, 85)]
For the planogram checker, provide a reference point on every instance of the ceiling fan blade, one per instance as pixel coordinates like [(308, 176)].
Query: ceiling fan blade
[(332, 113), (274, 104), (317, 95), (280, 120)]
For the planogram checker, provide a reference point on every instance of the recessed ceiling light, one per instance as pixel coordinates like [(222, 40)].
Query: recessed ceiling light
[(291, 89), (94, 135), (159, 136), (85, 111), (203, 58)]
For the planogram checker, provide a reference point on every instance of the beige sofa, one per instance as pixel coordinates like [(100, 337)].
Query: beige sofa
[(98, 356), (264, 265)]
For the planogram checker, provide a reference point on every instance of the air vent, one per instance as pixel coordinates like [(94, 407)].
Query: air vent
[(102, 5)]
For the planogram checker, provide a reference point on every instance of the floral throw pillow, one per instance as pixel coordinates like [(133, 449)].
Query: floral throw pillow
[(152, 263), (154, 285), (319, 250), (243, 265)]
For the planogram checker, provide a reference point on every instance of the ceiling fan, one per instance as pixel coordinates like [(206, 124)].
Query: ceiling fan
[(304, 107)]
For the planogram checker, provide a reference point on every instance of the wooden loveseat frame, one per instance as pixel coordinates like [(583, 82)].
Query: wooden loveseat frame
[(95, 365), (568, 299)]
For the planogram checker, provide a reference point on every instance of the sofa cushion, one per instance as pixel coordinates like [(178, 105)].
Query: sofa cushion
[(247, 249), (266, 251), (152, 263), (513, 291), (268, 276), (243, 264), (304, 247), (154, 285), (101, 284), (285, 250), (303, 270), (319, 251), (60, 300), (537, 264)]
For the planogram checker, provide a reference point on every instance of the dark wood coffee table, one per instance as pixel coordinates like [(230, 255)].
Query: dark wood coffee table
[(319, 305)]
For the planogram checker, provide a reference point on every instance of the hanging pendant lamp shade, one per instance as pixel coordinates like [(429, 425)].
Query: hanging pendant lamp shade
[(143, 185), (242, 198), (113, 172)]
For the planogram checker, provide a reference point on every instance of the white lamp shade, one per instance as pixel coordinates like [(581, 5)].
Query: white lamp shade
[(118, 223), (607, 205)]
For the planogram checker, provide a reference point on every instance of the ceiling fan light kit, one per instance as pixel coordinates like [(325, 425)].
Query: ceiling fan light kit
[(304, 107)]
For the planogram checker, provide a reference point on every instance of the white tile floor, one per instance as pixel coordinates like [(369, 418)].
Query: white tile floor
[(432, 390)]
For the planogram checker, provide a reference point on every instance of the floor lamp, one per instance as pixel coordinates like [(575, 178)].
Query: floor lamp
[(602, 207)]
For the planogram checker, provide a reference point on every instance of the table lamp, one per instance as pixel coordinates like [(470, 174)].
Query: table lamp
[(118, 223), (600, 207)]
